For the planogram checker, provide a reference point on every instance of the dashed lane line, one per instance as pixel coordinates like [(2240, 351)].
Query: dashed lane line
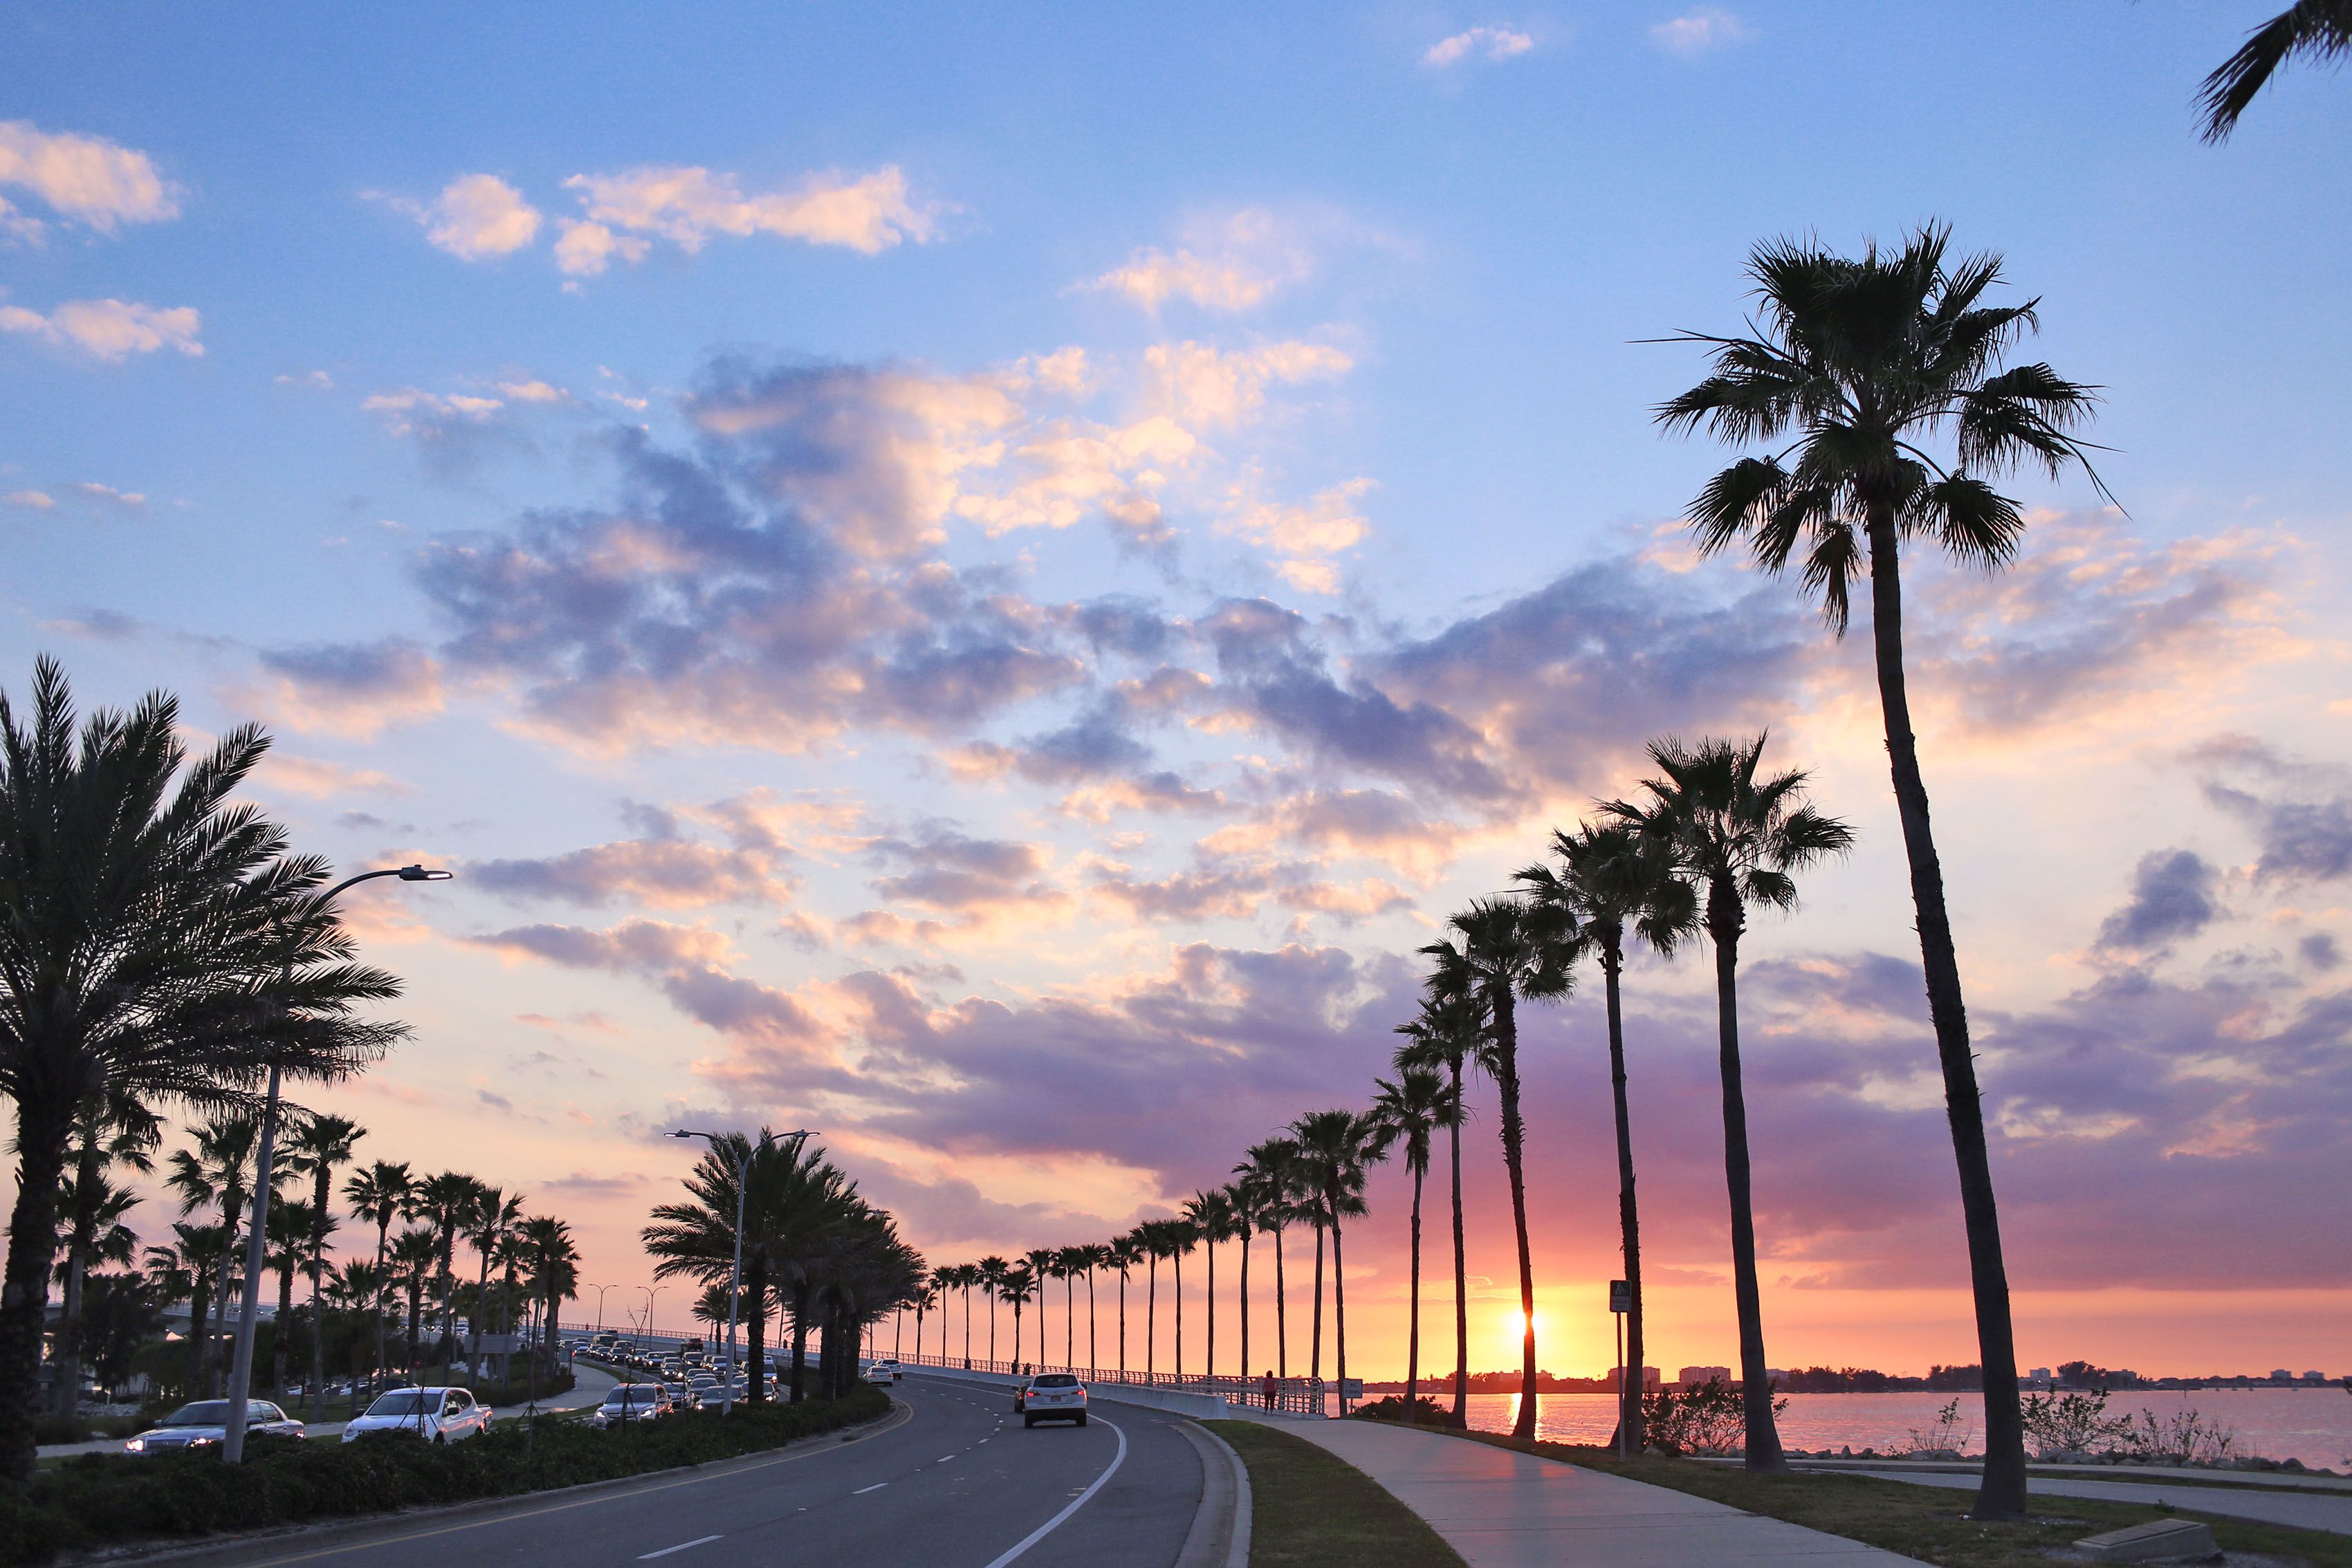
[(698, 1541), (878, 1486)]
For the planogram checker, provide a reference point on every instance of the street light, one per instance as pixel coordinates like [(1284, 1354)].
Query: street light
[(735, 1285), (651, 1292), (600, 1290), (240, 1383)]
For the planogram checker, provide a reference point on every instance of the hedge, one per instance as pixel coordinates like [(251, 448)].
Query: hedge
[(96, 1499)]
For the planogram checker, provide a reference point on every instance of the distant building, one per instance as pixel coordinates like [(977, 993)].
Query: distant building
[(2315, 1377), (1691, 1377), (2040, 1375), (2280, 1374), (1650, 1379)]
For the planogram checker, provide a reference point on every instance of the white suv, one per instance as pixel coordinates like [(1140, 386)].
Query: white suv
[(1054, 1396), (886, 1370)]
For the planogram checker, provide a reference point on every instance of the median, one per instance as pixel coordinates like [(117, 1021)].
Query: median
[(106, 1500)]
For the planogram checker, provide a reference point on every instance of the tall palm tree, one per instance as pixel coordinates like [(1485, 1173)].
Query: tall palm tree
[(489, 1223), (1020, 1286), (1270, 1170), (1070, 1262), (993, 1272), (1182, 1236), (1503, 949), (378, 1196), (415, 1257), (967, 1276), (1126, 1252), (110, 1133), (1737, 837), (186, 1270), (1209, 1213), (157, 944), (1863, 365), (1610, 881), (216, 1171), (1152, 1238), (1407, 1113), (1335, 1149), (1447, 1035), (288, 1250), (552, 1257), (2309, 29), (316, 1148), (1040, 1261), (445, 1201), (1242, 1204)]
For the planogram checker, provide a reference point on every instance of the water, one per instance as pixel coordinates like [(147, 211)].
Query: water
[(2313, 1424)]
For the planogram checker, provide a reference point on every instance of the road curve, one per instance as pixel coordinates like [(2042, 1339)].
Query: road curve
[(950, 1479)]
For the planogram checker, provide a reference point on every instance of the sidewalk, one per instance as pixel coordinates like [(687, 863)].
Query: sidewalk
[(2220, 1496), (1504, 1510)]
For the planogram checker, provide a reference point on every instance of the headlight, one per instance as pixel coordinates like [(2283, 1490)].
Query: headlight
[(202, 1442), (135, 1446)]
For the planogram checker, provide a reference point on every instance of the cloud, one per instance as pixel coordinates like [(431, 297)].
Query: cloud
[(2172, 898), (87, 180), (102, 625), (661, 872), (1305, 536), (978, 883), (688, 206), (109, 330), (30, 501), (476, 217), (1709, 27), (107, 495), (1230, 265), (349, 689), (2301, 812), (320, 780), (1205, 388), (1490, 43)]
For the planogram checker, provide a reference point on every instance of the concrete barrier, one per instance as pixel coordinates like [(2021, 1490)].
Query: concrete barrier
[(1199, 1406)]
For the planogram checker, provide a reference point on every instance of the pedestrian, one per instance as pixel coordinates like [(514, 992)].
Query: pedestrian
[(1271, 1386)]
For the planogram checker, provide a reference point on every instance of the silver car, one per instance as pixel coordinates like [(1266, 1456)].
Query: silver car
[(206, 1422), (441, 1415)]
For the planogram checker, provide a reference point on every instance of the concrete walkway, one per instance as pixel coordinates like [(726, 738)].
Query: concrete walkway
[(1503, 1510), (2305, 1511)]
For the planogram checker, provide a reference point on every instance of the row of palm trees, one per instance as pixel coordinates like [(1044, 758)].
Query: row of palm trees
[(200, 1261), (812, 1249)]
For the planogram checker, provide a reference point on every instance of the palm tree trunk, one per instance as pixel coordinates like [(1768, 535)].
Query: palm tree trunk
[(1151, 1318), (1091, 1363), (799, 1342), (200, 1307), (65, 1352), (1412, 1321), (1461, 1266), (232, 1208), (41, 1145), (281, 1331), (382, 1235), (1209, 1360), (1178, 1260), (1723, 919), (1070, 1319), (2002, 1492), (967, 1328), (1244, 1303), (322, 1193), (1629, 1220), (1314, 1343), (1339, 1307), (755, 1341), (991, 1331), (1507, 1078), (1281, 1322), (1122, 1325)]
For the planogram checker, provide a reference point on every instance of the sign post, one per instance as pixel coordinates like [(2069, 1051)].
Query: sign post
[(1620, 1301)]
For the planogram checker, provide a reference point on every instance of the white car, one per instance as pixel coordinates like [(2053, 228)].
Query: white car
[(883, 1370), (1052, 1397), (441, 1415)]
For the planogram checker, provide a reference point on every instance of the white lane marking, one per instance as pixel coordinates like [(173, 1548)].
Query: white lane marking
[(878, 1486), (1076, 1503), (943, 1459), (698, 1541)]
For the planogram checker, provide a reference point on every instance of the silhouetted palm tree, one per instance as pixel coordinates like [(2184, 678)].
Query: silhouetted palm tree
[(1040, 1261), (218, 1170), (1126, 1252), (1019, 1286), (2308, 29), (1070, 1262), (315, 1148), (1335, 1149), (488, 1223), (1505, 950), (1408, 1112), (414, 1261), (1242, 1206), (1270, 1174), (1611, 880), (379, 1196), (1865, 365), (992, 1271), (1736, 837), (1447, 1034), (110, 1132), (157, 944), (1209, 1213)]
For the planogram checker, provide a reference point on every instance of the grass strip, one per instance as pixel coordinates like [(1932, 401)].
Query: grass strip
[(1309, 1508), (1925, 1521), (105, 1500)]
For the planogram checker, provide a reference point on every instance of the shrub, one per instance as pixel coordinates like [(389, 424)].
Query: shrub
[(1943, 1436), (1707, 1418), (50, 1430), (1426, 1411), (101, 1499), (2183, 1438), (2070, 1424)]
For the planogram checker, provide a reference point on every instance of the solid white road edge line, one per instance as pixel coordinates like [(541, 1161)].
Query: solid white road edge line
[(1076, 1503), (698, 1541)]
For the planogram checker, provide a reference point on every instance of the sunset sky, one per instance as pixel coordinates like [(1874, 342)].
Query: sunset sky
[(977, 581)]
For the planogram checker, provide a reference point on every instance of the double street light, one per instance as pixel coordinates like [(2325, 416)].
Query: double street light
[(735, 1285), (240, 1383)]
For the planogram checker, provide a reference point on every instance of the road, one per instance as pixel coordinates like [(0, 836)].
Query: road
[(950, 1479)]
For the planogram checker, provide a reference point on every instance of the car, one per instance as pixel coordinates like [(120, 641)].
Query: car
[(1052, 1396), (439, 1414), (627, 1402), (885, 1370), (683, 1396), (204, 1422)]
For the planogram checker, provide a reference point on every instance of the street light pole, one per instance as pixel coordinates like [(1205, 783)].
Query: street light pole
[(600, 1290), (651, 1292), (240, 1384), (735, 1285)]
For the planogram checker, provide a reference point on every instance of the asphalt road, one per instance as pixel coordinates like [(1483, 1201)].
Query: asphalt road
[(950, 1479)]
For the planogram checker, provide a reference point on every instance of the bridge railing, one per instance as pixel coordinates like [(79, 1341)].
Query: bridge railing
[(1293, 1395)]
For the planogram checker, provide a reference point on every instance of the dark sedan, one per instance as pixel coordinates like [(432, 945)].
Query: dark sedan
[(206, 1422)]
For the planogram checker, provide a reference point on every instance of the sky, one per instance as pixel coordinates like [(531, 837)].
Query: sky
[(979, 582)]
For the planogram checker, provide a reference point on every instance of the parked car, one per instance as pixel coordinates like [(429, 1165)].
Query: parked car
[(439, 1414), (1052, 1396), (628, 1402), (206, 1422)]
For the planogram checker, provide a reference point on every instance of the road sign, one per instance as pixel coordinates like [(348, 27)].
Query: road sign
[(1621, 1297)]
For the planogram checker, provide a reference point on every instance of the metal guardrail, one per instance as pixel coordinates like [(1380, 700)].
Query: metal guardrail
[(1293, 1395)]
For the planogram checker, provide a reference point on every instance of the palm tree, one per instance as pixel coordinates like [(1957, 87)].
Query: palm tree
[(1612, 879), (1242, 1205), (287, 1248), (184, 1270), (2309, 29), (157, 944), (1736, 837), (415, 1254), (488, 1223), (316, 1148), (966, 1275), (1335, 1149), (993, 1272), (1126, 1252), (1505, 950), (379, 1196), (1408, 1111), (445, 1202), (1447, 1035), (1019, 1285), (109, 1132), (1040, 1263), (1210, 1215), (1270, 1171), (1152, 1238), (216, 1171), (1070, 1262), (553, 1258), (1866, 363)]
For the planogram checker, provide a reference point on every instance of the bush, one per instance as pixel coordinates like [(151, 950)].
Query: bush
[(1705, 1419), (2070, 1424), (1943, 1437), (96, 1499), (49, 1429), (2184, 1438), (1427, 1412)]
